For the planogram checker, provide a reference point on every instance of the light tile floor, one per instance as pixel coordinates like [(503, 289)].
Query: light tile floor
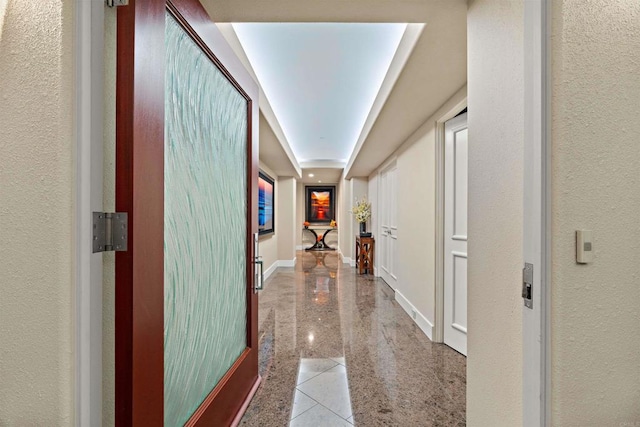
[(326, 384), (336, 349)]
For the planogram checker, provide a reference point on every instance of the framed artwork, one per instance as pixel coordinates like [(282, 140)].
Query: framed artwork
[(266, 205), (320, 204)]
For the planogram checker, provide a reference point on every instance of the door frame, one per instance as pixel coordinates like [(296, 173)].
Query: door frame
[(89, 36), (438, 330), (536, 322)]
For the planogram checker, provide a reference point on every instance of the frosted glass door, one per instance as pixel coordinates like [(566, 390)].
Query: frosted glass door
[(205, 229)]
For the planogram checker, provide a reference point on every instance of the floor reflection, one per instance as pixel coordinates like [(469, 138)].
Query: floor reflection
[(336, 349)]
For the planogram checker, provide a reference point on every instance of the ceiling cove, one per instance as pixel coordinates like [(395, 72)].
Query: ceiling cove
[(321, 79)]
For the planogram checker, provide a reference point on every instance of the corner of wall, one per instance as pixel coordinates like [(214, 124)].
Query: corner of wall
[(496, 141)]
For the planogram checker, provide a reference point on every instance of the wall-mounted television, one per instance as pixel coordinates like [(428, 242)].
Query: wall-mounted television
[(266, 205)]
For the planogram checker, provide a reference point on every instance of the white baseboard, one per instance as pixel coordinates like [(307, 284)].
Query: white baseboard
[(375, 272), (345, 260), (352, 262), (287, 262), (280, 263), (422, 322), (299, 248), (269, 271)]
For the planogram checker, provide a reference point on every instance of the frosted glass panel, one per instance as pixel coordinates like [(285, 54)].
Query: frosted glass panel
[(205, 225)]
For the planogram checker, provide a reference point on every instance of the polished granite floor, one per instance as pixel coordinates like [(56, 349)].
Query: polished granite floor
[(337, 350)]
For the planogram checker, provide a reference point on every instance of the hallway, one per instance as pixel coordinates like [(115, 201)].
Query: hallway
[(335, 348)]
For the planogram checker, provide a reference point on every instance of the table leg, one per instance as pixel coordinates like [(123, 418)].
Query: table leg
[(315, 244), (324, 244)]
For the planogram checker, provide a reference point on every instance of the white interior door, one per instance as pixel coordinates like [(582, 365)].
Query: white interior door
[(455, 233), (388, 240)]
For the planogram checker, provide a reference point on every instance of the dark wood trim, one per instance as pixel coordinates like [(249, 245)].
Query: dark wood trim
[(191, 11), (140, 270), (124, 200), (252, 230), (247, 401), (222, 405)]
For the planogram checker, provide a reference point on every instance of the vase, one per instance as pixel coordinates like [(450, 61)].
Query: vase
[(363, 228)]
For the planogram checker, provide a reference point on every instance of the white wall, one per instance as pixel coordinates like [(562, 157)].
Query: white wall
[(286, 221), (300, 201), (357, 188), (372, 192), (496, 123), (345, 221), (37, 206), (359, 191), (268, 243), (595, 310), (416, 163)]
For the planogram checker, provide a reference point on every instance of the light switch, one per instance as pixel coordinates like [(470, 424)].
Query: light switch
[(584, 246)]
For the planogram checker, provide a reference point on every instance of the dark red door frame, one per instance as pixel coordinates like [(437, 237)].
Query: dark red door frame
[(140, 192)]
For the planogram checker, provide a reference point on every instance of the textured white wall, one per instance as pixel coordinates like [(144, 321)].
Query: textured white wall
[(344, 217), (37, 205), (372, 192), (596, 185), (299, 212), (416, 220), (359, 190), (496, 124), (286, 213)]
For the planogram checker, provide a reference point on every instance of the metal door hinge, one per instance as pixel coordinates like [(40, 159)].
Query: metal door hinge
[(110, 231), (527, 285), (116, 3)]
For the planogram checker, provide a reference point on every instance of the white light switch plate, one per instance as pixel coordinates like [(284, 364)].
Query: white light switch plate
[(584, 246)]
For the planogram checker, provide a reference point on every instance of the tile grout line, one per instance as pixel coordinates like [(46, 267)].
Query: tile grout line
[(320, 373), (326, 407), (336, 414), (309, 379), (312, 406), (307, 410)]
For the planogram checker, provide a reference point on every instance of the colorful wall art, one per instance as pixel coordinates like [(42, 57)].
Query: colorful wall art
[(320, 204), (266, 191)]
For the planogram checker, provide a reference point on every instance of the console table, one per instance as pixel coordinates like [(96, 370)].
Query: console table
[(320, 244), (364, 254)]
